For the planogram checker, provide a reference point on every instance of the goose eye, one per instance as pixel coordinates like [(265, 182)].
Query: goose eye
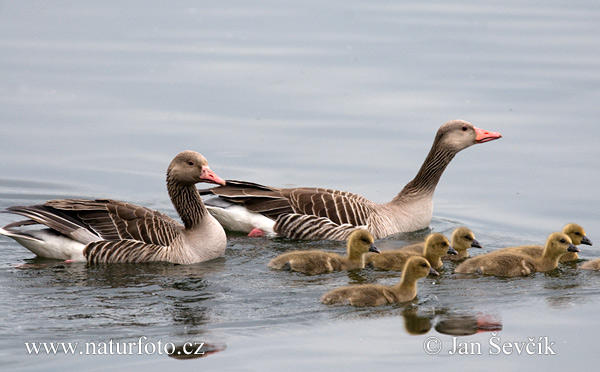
[(563, 241), (577, 233), (464, 128), (191, 163), (365, 240), (468, 237), (423, 265)]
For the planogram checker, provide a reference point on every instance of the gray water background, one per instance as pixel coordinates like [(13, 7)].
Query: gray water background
[(96, 99)]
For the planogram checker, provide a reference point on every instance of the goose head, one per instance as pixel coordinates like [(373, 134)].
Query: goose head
[(360, 242), (457, 135), (437, 245), (559, 243), (190, 167), (463, 239), (418, 267), (577, 234)]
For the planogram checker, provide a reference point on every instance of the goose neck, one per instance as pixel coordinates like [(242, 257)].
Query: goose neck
[(187, 202), (429, 174)]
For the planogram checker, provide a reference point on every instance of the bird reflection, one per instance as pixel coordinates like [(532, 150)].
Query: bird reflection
[(450, 323)]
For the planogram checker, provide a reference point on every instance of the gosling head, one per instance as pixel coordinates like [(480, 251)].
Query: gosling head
[(418, 267), (577, 234), (559, 243), (437, 244), (360, 242), (190, 167), (459, 134), (463, 239)]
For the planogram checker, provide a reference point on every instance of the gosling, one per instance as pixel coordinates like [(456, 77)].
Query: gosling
[(511, 264), (316, 262), (461, 240), (436, 246), (377, 294), (573, 230)]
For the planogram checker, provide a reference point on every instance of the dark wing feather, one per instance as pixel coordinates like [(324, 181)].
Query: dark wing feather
[(102, 219), (305, 227), (257, 198), (338, 206), (123, 251)]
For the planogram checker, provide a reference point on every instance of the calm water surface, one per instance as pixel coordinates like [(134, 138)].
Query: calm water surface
[(96, 99)]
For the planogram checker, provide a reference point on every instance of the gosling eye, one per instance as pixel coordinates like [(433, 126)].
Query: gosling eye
[(364, 240), (423, 265), (468, 237), (464, 128), (191, 163), (577, 233), (562, 241)]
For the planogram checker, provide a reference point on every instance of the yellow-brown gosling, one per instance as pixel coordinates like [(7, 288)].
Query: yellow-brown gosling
[(461, 240), (591, 265), (436, 246), (319, 262), (377, 294), (573, 230), (516, 264)]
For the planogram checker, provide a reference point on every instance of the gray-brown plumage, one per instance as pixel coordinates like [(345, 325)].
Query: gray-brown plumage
[(319, 213), (377, 294), (319, 262), (573, 230), (435, 247), (510, 264), (104, 230), (461, 240)]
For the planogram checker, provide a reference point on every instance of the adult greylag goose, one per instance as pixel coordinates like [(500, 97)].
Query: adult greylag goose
[(378, 294), (461, 240), (319, 213), (318, 262), (517, 264), (573, 230), (115, 231), (436, 246)]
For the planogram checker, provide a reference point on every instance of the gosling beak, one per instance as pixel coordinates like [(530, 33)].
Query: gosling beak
[(208, 176), (572, 248), (452, 251), (483, 135), (476, 244), (374, 249), (585, 240), (432, 272)]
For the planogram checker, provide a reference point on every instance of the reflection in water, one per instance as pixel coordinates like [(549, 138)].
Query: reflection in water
[(194, 350), (450, 323)]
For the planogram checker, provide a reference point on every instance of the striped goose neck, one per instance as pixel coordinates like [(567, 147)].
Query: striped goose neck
[(187, 202), (430, 173)]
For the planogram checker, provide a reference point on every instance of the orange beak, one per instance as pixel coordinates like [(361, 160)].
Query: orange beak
[(485, 136), (208, 176)]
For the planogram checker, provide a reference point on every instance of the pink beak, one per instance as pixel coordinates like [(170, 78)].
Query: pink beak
[(208, 176), (485, 136)]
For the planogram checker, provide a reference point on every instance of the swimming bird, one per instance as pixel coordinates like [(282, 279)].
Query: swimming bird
[(591, 265), (378, 294), (103, 230), (319, 262), (461, 240), (319, 213), (573, 230), (436, 245), (516, 264)]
